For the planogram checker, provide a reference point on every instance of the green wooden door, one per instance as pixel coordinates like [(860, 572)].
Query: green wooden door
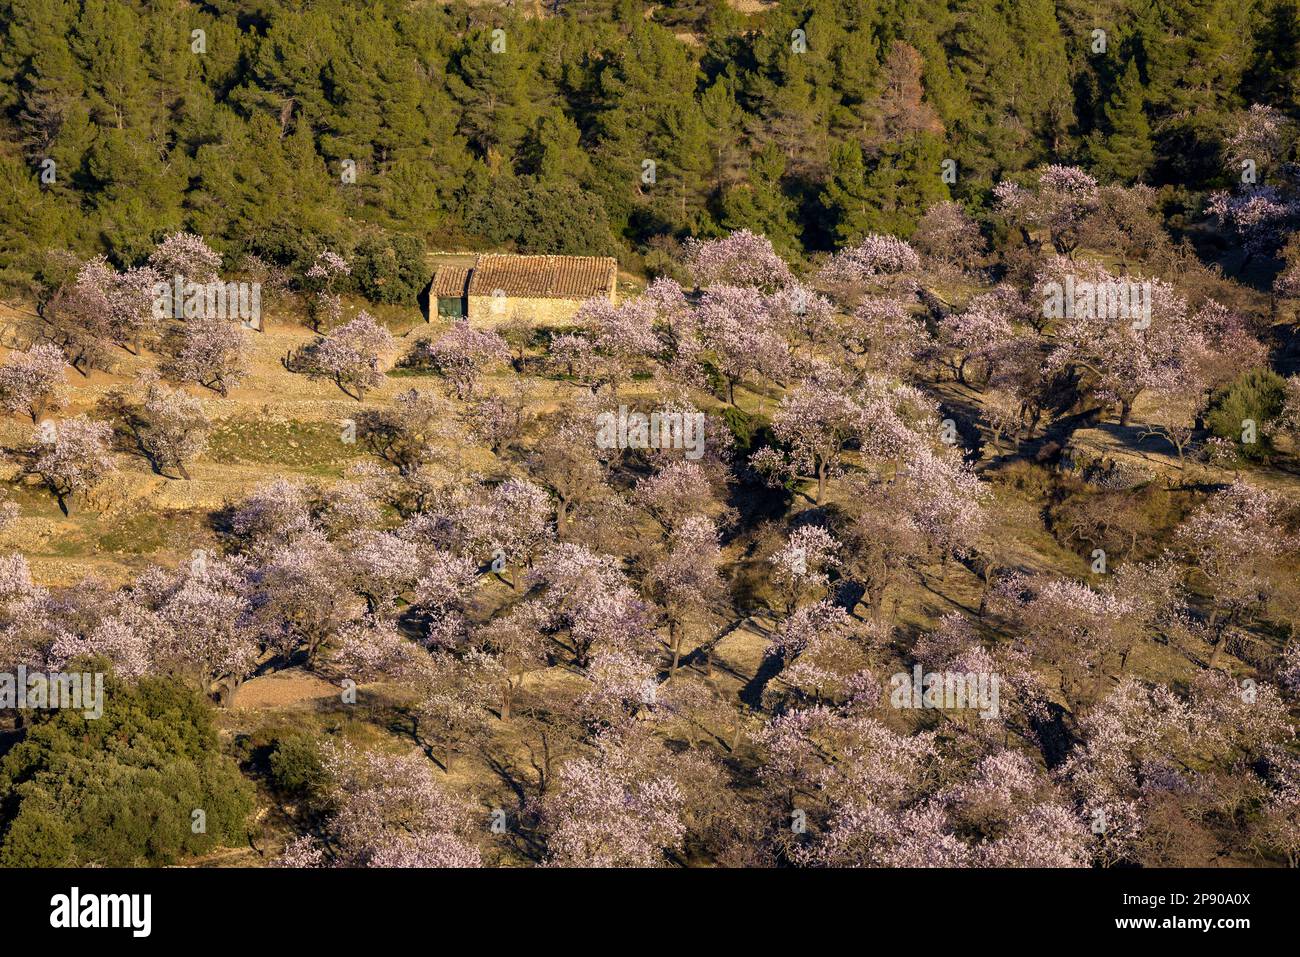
[(451, 307)]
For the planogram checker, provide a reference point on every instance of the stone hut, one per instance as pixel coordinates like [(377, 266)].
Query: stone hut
[(544, 289)]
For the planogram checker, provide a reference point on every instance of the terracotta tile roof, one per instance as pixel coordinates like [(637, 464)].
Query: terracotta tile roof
[(542, 277), (449, 282)]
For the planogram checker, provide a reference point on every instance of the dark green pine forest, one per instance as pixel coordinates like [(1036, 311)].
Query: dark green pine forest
[(583, 126)]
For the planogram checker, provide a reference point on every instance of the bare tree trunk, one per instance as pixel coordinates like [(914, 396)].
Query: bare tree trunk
[(507, 694)]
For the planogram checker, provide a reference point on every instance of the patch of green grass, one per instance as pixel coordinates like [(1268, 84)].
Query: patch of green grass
[(303, 446), (73, 544), (34, 499), (145, 533)]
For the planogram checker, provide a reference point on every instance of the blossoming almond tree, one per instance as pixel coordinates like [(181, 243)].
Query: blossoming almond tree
[(185, 255), (885, 337), (801, 567), (273, 515), (210, 634), (72, 456), (1068, 625), (1260, 216), (859, 786), (212, 352), (171, 427), (976, 332), (385, 810), (803, 313), (455, 692), (739, 259), (27, 630), (736, 329), (877, 262), (78, 318), (443, 593), (518, 641), (587, 595), (300, 597), (325, 307), (884, 542), (616, 809), (565, 464), (946, 502), (460, 355), (350, 355), (520, 513), (131, 300), (1059, 203), (1230, 540), (685, 581), (32, 382), (947, 236), (614, 342), (1143, 743), (678, 491), (382, 567), (499, 420), (821, 662), (1124, 354), (817, 423)]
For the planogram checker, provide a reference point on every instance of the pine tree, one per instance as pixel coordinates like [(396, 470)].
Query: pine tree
[(725, 120), (789, 113), (552, 151), (1011, 58), (857, 81), (1124, 149), (682, 186), (1196, 52), (761, 205), (890, 194), (846, 196), (648, 115), (492, 89)]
